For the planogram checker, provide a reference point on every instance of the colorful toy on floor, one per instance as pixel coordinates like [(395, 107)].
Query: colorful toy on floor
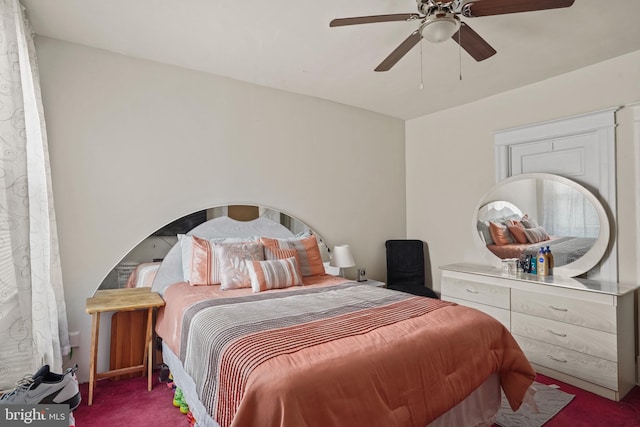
[(191, 418), (179, 402), (177, 398), (184, 408), (170, 382)]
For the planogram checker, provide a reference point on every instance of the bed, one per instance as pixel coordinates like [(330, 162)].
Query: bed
[(565, 249), (329, 352)]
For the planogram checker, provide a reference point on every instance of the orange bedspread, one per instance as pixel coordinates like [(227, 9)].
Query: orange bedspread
[(375, 372)]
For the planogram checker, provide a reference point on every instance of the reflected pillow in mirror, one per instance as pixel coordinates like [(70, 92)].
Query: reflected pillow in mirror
[(233, 259), (274, 274), (517, 231), (536, 235), (483, 228), (309, 257), (500, 234), (529, 222)]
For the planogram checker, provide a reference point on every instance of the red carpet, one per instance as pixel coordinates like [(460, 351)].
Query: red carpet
[(128, 403), (590, 410)]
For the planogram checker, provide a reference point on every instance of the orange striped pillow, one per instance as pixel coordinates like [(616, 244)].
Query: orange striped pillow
[(274, 274), (203, 266), (309, 257), (277, 253), (500, 234), (517, 231)]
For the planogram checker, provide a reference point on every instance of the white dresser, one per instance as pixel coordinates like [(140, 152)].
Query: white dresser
[(580, 332)]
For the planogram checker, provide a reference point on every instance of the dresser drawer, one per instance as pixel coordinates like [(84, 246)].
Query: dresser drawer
[(482, 293), (574, 311), (589, 368), (584, 340), (500, 314)]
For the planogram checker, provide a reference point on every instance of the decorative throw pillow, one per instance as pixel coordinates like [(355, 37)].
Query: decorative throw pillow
[(274, 274), (233, 259), (500, 234), (536, 235), (271, 253), (309, 258), (483, 228), (529, 222), (199, 263), (517, 231)]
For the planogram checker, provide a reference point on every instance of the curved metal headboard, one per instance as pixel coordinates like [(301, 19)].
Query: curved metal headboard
[(170, 270)]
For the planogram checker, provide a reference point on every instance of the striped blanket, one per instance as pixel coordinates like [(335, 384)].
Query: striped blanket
[(268, 359)]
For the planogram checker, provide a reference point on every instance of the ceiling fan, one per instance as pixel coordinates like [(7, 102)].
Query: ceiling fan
[(440, 20)]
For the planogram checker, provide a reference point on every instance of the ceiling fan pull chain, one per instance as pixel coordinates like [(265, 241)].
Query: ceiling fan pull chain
[(460, 53), (421, 69)]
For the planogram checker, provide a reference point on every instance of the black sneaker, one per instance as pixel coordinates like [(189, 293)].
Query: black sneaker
[(46, 387)]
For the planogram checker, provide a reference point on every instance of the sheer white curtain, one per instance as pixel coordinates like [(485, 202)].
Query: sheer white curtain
[(567, 212), (33, 320)]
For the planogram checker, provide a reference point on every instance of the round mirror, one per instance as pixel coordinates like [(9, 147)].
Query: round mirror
[(139, 266), (523, 213)]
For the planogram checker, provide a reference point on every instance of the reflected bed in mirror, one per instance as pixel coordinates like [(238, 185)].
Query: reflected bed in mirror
[(138, 268), (526, 212)]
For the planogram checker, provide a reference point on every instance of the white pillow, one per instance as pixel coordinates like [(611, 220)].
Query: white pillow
[(232, 258)]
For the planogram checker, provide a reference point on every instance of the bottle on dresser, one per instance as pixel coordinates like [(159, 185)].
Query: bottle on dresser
[(543, 263), (551, 265), (534, 264)]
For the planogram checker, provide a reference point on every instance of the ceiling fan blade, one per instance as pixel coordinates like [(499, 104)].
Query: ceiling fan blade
[(373, 19), (400, 51), (500, 7), (471, 41)]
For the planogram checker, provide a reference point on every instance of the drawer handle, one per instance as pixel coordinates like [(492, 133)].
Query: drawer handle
[(556, 334), (557, 360), (557, 309), (471, 291)]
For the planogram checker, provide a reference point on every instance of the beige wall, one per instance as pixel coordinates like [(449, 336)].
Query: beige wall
[(450, 156), (135, 144)]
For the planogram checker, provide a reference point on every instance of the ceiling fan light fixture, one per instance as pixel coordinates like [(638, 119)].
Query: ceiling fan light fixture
[(440, 27)]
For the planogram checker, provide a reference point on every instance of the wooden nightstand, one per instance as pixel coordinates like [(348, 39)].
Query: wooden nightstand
[(121, 300)]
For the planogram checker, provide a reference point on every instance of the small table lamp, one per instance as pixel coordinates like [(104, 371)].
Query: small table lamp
[(342, 258)]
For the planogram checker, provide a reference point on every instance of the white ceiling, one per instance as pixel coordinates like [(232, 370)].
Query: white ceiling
[(288, 45)]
